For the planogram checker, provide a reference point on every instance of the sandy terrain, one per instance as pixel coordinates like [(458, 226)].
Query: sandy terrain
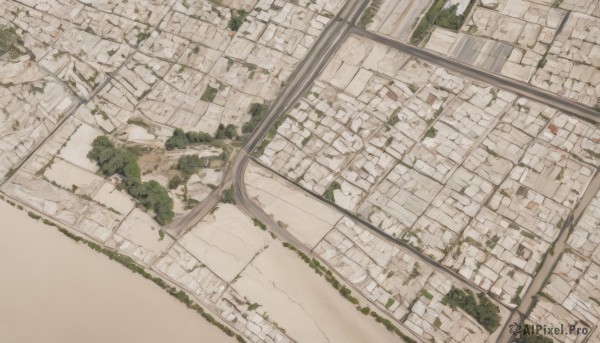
[(307, 219), (225, 241), (80, 296), (79, 144), (301, 301), (67, 175), (140, 229), (109, 196), (138, 134)]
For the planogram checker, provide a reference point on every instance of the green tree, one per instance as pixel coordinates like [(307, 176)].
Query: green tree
[(151, 195), (175, 182), (189, 165), (179, 140)]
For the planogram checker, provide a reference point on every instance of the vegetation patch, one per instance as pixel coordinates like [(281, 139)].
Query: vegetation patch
[(593, 154), (229, 131), (175, 182), (11, 43), (253, 307), (517, 298), (138, 122), (151, 194), (260, 224), (431, 133), (190, 165), (270, 135), (228, 197), (209, 94), (367, 17), (437, 15), (257, 112), (329, 192), (536, 338), (181, 139), (236, 20), (32, 215), (393, 120), (480, 307)]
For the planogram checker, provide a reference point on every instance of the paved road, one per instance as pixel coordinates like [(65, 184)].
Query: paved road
[(303, 77), (300, 80), (531, 92), (540, 278)]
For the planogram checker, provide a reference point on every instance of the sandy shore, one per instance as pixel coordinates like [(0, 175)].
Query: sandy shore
[(56, 290)]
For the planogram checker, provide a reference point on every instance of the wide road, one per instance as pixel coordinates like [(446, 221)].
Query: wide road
[(300, 80), (574, 108), (305, 74), (337, 31)]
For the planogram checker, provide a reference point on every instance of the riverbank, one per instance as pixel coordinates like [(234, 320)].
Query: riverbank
[(57, 290)]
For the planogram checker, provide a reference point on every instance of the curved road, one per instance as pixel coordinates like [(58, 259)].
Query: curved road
[(302, 78)]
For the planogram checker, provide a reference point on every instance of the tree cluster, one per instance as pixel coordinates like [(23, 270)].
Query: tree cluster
[(229, 131), (482, 309), (151, 194), (189, 165), (181, 139), (440, 16)]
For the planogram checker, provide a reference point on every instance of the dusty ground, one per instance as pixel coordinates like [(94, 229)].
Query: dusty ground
[(303, 303), (226, 241), (306, 218)]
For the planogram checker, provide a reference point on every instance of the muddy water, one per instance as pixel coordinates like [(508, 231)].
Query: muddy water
[(55, 290)]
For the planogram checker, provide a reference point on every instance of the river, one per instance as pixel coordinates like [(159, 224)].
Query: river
[(53, 289)]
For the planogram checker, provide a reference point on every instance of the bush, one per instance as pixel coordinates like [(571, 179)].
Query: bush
[(198, 137), (329, 192), (236, 20), (259, 224), (228, 197), (229, 131), (257, 112), (253, 307), (33, 215), (175, 182)]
